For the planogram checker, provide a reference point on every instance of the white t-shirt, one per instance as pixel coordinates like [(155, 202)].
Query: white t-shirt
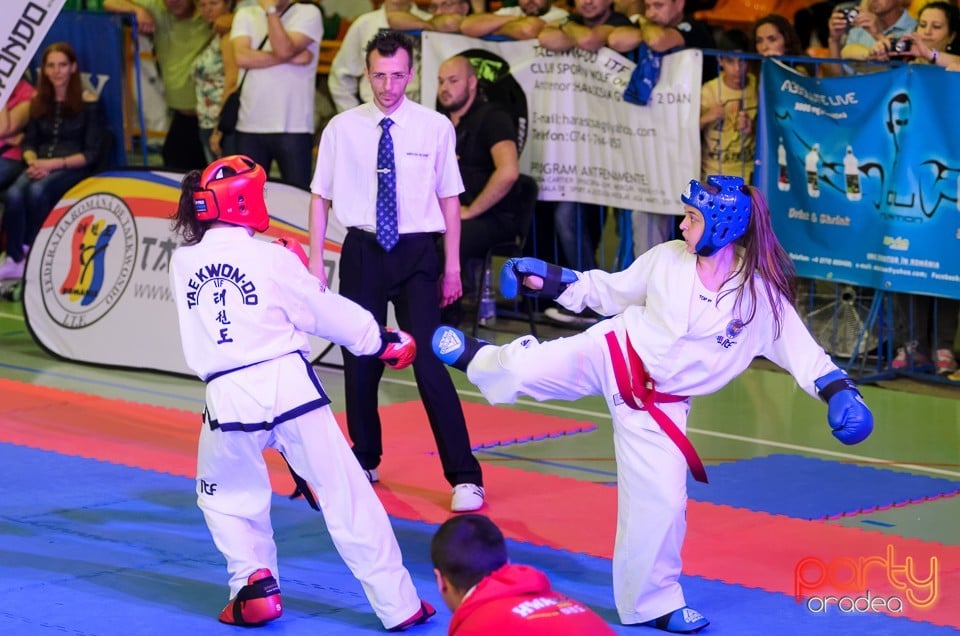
[(278, 99), (553, 14)]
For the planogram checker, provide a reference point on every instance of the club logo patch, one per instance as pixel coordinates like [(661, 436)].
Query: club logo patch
[(734, 327)]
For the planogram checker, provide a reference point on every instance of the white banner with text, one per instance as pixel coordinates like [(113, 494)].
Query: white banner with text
[(578, 138)]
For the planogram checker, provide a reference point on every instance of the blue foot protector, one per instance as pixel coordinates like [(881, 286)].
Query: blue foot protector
[(680, 621), (455, 348)]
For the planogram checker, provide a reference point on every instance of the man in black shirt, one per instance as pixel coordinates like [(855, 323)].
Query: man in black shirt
[(487, 155)]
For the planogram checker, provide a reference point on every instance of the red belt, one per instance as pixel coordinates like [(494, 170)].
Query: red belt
[(636, 383)]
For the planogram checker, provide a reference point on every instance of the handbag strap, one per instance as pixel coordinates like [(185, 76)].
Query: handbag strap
[(262, 42)]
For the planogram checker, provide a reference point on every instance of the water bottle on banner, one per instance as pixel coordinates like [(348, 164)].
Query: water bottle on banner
[(851, 173), (487, 312), (813, 171), (783, 178)]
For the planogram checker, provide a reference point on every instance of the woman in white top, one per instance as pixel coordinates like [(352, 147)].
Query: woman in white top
[(688, 317)]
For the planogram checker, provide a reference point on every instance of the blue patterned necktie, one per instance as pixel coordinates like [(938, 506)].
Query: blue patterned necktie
[(387, 232)]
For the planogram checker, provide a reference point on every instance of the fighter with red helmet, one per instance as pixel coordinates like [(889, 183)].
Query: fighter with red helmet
[(245, 307)]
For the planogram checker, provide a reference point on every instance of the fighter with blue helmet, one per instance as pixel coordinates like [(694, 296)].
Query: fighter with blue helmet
[(688, 317)]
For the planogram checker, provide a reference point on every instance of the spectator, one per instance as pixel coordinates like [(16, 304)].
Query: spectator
[(633, 9), (276, 119), (395, 191), (214, 72), (487, 156), (664, 27), (179, 34), (812, 23), (523, 22), (60, 146), (14, 116), (579, 225), (489, 595), (938, 24), (446, 17), (853, 35), (348, 83), (728, 106), (588, 28), (773, 36)]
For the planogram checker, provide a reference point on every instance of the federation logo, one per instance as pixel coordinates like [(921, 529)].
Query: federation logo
[(88, 260)]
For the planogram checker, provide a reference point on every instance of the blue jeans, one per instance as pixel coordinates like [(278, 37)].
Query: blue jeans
[(10, 169), (29, 201)]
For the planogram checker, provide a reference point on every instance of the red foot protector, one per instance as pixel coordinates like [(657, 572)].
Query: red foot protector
[(257, 603)]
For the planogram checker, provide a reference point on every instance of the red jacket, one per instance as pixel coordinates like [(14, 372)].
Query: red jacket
[(517, 600)]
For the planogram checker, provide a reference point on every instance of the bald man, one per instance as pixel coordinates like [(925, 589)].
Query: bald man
[(487, 155)]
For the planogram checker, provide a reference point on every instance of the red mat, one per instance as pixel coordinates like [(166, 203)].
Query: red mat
[(737, 546)]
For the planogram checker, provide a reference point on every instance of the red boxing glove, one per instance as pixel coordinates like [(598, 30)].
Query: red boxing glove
[(399, 348), (294, 246)]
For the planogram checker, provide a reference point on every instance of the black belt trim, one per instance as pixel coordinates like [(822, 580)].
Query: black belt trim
[(312, 405)]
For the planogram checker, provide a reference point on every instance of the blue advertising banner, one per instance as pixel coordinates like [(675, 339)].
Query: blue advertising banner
[(861, 174), (98, 40)]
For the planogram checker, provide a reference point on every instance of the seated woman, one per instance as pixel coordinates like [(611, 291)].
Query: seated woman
[(13, 118), (933, 42), (60, 145)]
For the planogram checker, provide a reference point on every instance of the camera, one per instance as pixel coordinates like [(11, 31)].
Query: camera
[(900, 45), (850, 13)]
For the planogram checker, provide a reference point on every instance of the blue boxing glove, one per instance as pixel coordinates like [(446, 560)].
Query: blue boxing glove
[(516, 270), (847, 414)]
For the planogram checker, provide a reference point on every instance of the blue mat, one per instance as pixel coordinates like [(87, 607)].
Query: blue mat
[(92, 548), (809, 488)]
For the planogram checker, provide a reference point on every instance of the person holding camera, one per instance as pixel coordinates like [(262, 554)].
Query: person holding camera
[(855, 29), (933, 42)]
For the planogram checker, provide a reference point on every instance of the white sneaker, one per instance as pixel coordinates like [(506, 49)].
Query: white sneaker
[(11, 269), (372, 475), (466, 498)]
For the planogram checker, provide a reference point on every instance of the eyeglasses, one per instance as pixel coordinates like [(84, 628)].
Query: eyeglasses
[(382, 77)]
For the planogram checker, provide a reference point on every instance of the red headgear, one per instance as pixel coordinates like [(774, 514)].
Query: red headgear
[(231, 190)]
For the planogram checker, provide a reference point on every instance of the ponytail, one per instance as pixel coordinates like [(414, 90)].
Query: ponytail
[(765, 261), (185, 219)]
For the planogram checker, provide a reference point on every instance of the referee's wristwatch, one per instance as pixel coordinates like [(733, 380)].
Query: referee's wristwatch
[(272, 10)]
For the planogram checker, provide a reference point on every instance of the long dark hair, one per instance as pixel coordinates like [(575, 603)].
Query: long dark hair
[(791, 41), (185, 222), (42, 103), (764, 261)]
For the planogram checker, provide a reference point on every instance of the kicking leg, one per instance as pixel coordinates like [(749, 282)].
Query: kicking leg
[(564, 369)]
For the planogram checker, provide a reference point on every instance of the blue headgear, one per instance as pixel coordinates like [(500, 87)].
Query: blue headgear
[(725, 205)]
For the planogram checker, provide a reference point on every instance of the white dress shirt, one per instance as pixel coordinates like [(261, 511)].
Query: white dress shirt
[(424, 145)]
